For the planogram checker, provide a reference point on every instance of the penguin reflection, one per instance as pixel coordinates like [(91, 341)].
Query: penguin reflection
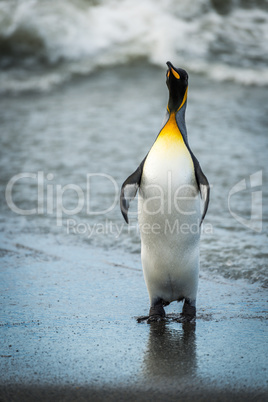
[(170, 353)]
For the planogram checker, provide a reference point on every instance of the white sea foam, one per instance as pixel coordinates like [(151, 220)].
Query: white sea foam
[(45, 43)]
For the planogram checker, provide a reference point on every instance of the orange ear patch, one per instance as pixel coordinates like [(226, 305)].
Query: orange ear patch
[(176, 75)]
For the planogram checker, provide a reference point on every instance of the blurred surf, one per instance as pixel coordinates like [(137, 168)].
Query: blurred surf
[(43, 44)]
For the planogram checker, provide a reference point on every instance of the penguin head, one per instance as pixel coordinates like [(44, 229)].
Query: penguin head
[(177, 83)]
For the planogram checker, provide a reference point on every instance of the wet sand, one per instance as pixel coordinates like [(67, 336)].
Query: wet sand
[(68, 393), (69, 331)]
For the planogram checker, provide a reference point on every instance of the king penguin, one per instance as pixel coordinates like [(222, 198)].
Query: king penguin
[(172, 203)]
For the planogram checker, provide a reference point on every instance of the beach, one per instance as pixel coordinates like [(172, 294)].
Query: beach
[(69, 332)]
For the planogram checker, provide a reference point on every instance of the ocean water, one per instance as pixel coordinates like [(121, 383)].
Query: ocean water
[(83, 96), (44, 43)]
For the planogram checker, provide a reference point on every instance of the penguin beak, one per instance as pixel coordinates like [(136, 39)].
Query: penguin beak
[(171, 70)]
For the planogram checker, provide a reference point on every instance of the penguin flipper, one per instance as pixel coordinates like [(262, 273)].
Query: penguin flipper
[(129, 189), (203, 186)]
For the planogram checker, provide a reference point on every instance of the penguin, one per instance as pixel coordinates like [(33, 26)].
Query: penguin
[(173, 198)]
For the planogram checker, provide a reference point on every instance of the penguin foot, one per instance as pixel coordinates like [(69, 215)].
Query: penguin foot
[(184, 319), (188, 312), (155, 318), (157, 312), (149, 319), (142, 318), (157, 309)]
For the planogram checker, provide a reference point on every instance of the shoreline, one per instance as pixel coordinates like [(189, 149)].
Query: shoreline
[(69, 331)]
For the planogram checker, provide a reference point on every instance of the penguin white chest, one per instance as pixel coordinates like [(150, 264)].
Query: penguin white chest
[(169, 217)]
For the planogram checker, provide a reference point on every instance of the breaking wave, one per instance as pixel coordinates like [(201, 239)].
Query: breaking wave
[(43, 44)]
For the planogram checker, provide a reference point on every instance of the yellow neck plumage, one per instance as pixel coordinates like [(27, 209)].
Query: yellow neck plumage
[(170, 132), (170, 137)]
